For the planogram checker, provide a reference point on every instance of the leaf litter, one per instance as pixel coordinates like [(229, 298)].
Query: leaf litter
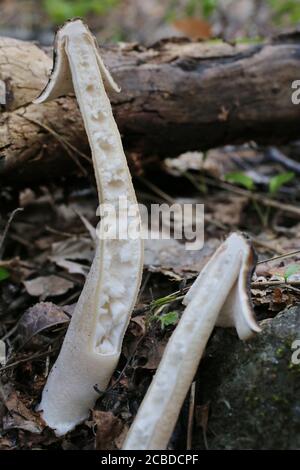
[(47, 253)]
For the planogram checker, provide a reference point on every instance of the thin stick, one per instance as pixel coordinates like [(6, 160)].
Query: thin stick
[(252, 196), (256, 197), (266, 245), (58, 232), (258, 284), (277, 156), (65, 144), (189, 439), (9, 333), (11, 217), (283, 256), (26, 359), (294, 289), (65, 141), (165, 197), (159, 192)]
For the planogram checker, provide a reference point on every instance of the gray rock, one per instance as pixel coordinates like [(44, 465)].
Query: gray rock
[(253, 388)]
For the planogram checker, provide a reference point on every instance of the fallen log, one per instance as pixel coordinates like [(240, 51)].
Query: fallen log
[(176, 96)]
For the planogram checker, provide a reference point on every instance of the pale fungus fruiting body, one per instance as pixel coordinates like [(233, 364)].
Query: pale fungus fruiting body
[(219, 296), (92, 345)]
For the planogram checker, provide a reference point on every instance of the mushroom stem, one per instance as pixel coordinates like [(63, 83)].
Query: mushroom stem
[(218, 296), (92, 345)]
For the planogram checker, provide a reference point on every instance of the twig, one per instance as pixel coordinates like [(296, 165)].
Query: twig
[(58, 232), (178, 295), (8, 224), (21, 240), (165, 197), (72, 297), (294, 289), (267, 245), (283, 256), (64, 143), (277, 156), (259, 284), (143, 287), (261, 198), (26, 359), (159, 192), (9, 333), (190, 425)]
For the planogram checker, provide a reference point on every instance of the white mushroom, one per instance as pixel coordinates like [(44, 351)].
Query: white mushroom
[(92, 345), (219, 296)]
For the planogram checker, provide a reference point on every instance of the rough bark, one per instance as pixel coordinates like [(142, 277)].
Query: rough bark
[(176, 96)]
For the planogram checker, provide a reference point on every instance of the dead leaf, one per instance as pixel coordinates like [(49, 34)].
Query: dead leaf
[(136, 331), (119, 440), (194, 28), (38, 318), (109, 429), (217, 162), (67, 254), (171, 255), (274, 299), (20, 417), (185, 162), (149, 354), (6, 444), (48, 286), (138, 325), (228, 210)]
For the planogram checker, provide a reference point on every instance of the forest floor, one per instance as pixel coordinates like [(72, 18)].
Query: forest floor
[(47, 247), (47, 244)]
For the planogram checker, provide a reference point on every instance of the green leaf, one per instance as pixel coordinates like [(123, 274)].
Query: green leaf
[(208, 7), (285, 10), (163, 301), (279, 180), (4, 274), (291, 269), (238, 177), (61, 10), (168, 319)]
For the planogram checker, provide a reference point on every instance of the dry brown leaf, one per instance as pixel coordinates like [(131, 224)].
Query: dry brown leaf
[(138, 325), (119, 440), (218, 162), (6, 444), (38, 318), (20, 417), (274, 299), (149, 354), (170, 255), (67, 254), (228, 211), (48, 286), (194, 28), (185, 162), (109, 429)]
